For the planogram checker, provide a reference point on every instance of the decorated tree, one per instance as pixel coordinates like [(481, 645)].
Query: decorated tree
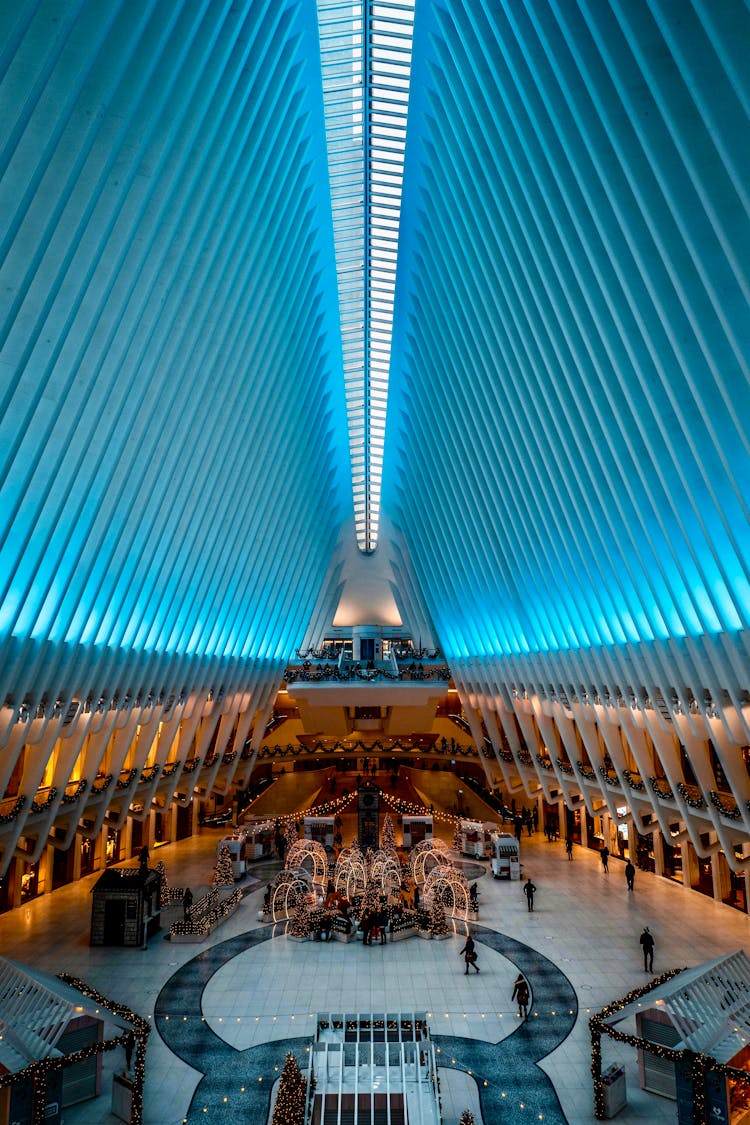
[(300, 922), (223, 873), (457, 838), (466, 1118), (163, 885), (438, 926), (388, 837), (290, 1098), (291, 835)]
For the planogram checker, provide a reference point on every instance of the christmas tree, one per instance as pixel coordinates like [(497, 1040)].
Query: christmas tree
[(300, 923), (163, 885), (388, 838), (290, 1099), (457, 838), (291, 835), (438, 923), (223, 874), (467, 1118)]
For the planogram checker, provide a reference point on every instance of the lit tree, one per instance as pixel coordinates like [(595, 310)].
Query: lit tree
[(388, 838), (438, 923), (467, 1118), (457, 837), (223, 874), (300, 922), (291, 835), (290, 1098), (163, 885)]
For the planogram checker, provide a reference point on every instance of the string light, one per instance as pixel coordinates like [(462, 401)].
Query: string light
[(136, 1037)]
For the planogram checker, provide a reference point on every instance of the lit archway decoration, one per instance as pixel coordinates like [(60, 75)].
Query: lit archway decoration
[(290, 887), (312, 852), (386, 871), (350, 875), (449, 887), (427, 855)]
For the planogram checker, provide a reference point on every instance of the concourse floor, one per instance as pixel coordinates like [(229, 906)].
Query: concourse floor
[(225, 1011)]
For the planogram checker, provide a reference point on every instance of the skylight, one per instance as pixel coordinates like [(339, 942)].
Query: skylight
[(366, 63)]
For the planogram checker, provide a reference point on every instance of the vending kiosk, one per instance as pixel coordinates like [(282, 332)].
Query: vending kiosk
[(506, 856)]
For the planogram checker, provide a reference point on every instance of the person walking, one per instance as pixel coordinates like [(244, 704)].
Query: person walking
[(647, 942), (187, 902), (521, 996), (529, 889), (630, 874), (470, 955), (569, 847), (604, 856)]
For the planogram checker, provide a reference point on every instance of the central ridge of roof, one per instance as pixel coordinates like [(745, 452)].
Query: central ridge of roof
[(366, 65)]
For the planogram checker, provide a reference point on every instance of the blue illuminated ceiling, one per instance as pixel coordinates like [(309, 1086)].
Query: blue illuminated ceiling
[(198, 271), (570, 393)]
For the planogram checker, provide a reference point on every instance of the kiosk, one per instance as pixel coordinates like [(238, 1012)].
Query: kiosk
[(476, 838), (416, 829), (506, 856), (320, 828)]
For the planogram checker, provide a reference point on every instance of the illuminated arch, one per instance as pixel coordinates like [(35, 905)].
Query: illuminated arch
[(427, 855), (449, 887), (290, 887), (350, 875), (311, 851)]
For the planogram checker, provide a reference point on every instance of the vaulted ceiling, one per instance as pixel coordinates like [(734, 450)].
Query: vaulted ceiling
[(197, 357)]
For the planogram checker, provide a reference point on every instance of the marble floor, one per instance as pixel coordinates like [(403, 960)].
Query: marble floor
[(225, 1011)]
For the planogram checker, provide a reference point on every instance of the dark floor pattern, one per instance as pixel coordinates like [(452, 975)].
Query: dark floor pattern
[(509, 1067)]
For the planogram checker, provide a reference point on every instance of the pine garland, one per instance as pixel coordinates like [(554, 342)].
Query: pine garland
[(466, 1118)]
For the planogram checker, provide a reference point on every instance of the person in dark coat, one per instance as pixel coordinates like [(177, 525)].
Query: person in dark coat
[(529, 889), (630, 874), (647, 942), (187, 902), (569, 847), (383, 923), (470, 955), (521, 996), (366, 923), (604, 856)]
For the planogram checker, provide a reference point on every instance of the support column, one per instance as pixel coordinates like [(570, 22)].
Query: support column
[(720, 876), (689, 865), (45, 869), (584, 828), (658, 850), (100, 850)]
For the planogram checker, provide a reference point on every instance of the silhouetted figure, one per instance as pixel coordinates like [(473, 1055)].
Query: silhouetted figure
[(630, 874), (187, 902), (470, 954), (521, 996), (604, 856), (529, 889), (569, 847), (647, 941)]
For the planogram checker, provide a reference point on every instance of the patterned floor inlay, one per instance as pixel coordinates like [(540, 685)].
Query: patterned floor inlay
[(236, 1085)]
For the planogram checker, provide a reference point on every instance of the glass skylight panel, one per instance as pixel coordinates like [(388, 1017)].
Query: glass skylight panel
[(366, 66)]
